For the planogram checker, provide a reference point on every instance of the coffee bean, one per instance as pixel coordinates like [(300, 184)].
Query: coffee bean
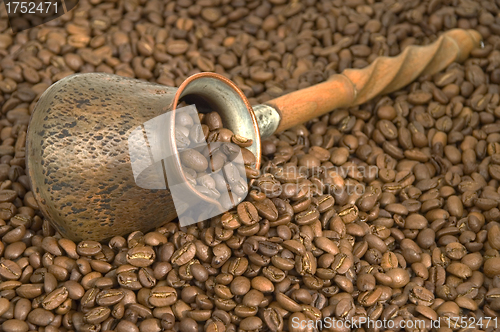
[(55, 298), (88, 248), (177, 47), (240, 285), (247, 213), (126, 326), (267, 209), (15, 325), (41, 317), (348, 213), (9, 269), (399, 277), (262, 284), (141, 256), (327, 245), (460, 270), (109, 297), (213, 121), (475, 75), (184, 254), (421, 296), (161, 296), (491, 266), (251, 323), (195, 160), (97, 315)]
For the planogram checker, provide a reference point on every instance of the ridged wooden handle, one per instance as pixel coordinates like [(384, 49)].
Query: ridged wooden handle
[(356, 86)]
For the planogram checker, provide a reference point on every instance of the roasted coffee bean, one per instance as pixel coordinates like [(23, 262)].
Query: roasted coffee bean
[(161, 296), (251, 323), (273, 319), (184, 254), (141, 256), (247, 213), (491, 266), (194, 160), (109, 297), (213, 121), (55, 298), (40, 317), (125, 325), (15, 325), (240, 285), (97, 315), (9, 269), (421, 296)]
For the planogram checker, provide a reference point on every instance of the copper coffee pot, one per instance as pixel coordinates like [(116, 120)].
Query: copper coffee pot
[(78, 157)]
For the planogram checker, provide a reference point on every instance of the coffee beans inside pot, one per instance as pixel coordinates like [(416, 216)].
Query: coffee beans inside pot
[(213, 158)]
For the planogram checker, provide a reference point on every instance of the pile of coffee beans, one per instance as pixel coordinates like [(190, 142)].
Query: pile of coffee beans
[(388, 211)]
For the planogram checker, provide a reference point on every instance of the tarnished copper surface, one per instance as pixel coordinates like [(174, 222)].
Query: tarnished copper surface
[(78, 158)]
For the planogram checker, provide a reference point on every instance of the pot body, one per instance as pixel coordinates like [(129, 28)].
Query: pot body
[(78, 156)]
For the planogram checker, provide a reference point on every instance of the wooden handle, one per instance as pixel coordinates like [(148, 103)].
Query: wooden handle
[(384, 75)]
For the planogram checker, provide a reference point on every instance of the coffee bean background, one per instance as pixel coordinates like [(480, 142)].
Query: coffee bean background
[(422, 241)]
